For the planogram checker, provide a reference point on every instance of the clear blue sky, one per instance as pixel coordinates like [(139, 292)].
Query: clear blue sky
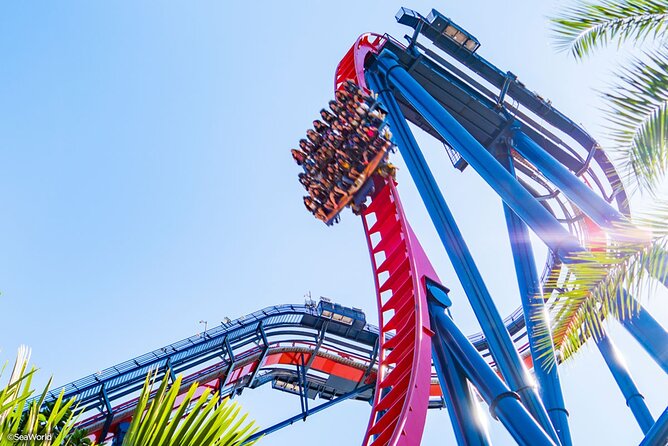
[(146, 184)]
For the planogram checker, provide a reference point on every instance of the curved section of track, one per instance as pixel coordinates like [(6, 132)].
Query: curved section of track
[(267, 346), (487, 115), (403, 383), (497, 111)]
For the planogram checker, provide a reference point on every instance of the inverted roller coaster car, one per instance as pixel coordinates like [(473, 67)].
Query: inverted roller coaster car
[(360, 190), (343, 152)]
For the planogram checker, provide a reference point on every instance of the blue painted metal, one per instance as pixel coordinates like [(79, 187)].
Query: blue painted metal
[(500, 344), (126, 377), (531, 296), (265, 351), (599, 210), (555, 236), (593, 205), (660, 270), (314, 410), (259, 329), (303, 387), (168, 369), (634, 399), (558, 239), (658, 434), (373, 362), (503, 403), (230, 359), (461, 404), (562, 243), (120, 433), (109, 411), (331, 308), (650, 335), (525, 97)]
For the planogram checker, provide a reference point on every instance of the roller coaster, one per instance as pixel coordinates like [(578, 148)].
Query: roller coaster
[(553, 179)]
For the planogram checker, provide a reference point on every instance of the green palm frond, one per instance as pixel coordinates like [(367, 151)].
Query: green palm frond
[(639, 119), (589, 25), (17, 418), (604, 283), (159, 420), (205, 420)]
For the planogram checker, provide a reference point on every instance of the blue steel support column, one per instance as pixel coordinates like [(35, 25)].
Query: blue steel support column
[(596, 208), (531, 296), (110, 413), (459, 401), (600, 211), (500, 343), (658, 433), (555, 236), (313, 411), (120, 433), (503, 404), (634, 398), (649, 334)]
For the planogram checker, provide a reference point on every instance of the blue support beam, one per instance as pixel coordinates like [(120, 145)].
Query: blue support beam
[(593, 205), (120, 433), (263, 355), (642, 326), (596, 208), (658, 434), (314, 410), (170, 370), (503, 403), (634, 399), (555, 236), (461, 404), (227, 351), (531, 296), (498, 338), (514, 195), (647, 331), (303, 390), (372, 362), (649, 334), (109, 413)]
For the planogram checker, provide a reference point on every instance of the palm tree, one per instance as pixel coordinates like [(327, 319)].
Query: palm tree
[(602, 283), (605, 282), (18, 422), (204, 421), (158, 420), (638, 101), (76, 437)]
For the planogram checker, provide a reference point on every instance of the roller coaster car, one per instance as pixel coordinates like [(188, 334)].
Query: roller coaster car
[(343, 152), (360, 189), (348, 316)]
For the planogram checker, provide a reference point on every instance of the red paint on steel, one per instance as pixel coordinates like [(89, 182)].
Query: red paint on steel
[(404, 378), (336, 363), (351, 66)]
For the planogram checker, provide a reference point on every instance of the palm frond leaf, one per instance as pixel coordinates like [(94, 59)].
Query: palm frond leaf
[(603, 283), (638, 116), (586, 26), (160, 420), (17, 416)]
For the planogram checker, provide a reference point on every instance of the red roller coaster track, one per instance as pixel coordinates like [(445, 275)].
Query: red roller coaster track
[(403, 383)]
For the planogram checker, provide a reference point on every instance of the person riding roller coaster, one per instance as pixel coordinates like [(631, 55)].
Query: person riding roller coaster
[(344, 149)]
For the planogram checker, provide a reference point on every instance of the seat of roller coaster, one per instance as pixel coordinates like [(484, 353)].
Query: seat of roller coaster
[(342, 152), (359, 191)]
